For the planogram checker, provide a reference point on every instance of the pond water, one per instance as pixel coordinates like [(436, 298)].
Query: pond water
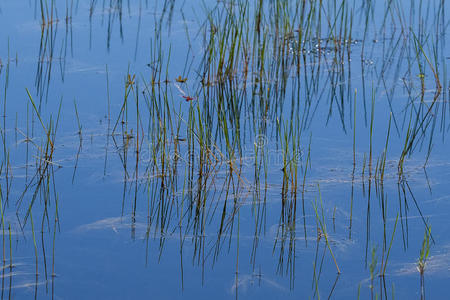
[(228, 149)]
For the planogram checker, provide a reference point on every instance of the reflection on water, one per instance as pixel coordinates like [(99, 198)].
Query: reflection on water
[(438, 264), (225, 149)]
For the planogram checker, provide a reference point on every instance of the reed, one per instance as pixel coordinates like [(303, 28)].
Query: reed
[(322, 226), (193, 128)]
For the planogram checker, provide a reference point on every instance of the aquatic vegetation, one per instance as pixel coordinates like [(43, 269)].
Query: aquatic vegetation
[(191, 132)]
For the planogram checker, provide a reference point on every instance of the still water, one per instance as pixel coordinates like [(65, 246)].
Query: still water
[(227, 149)]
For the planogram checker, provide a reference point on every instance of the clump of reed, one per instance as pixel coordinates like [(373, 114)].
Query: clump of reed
[(265, 72)]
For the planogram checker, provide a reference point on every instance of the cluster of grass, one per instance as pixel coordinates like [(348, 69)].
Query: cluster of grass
[(267, 72)]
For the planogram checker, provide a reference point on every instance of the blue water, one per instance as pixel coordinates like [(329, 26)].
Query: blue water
[(119, 235)]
